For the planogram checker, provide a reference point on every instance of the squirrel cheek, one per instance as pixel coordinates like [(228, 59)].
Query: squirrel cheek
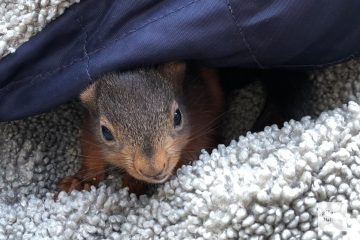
[(120, 159), (174, 149)]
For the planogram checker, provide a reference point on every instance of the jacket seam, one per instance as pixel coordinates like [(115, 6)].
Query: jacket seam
[(246, 43), (86, 55)]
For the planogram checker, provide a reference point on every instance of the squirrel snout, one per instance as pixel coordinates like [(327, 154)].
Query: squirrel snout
[(156, 170)]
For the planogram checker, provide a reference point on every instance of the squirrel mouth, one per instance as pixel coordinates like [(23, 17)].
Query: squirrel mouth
[(159, 179), (155, 179), (151, 179)]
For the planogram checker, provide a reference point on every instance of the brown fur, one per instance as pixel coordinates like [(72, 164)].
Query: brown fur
[(138, 108)]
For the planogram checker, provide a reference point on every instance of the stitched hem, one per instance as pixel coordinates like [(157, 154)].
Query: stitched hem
[(247, 45)]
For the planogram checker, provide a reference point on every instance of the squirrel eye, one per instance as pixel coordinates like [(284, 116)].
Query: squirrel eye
[(108, 136), (177, 118)]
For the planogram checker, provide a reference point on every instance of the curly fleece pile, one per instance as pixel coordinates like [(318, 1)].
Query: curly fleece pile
[(21, 19), (264, 185)]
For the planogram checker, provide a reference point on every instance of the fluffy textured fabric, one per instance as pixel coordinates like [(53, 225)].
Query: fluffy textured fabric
[(21, 19), (266, 184)]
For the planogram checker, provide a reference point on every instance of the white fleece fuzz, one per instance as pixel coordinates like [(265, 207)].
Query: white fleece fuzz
[(265, 185), (21, 19)]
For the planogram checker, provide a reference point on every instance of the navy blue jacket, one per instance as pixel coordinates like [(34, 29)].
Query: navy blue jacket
[(94, 37)]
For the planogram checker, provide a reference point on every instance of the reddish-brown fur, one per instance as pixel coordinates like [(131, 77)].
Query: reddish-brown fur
[(205, 116), (93, 166), (205, 107)]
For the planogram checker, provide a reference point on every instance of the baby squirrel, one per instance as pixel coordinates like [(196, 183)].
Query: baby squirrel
[(148, 122)]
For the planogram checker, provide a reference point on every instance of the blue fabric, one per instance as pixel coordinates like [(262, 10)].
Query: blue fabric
[(94, 37)]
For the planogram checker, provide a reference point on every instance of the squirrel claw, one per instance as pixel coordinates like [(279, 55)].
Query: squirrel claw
[(69, 183)]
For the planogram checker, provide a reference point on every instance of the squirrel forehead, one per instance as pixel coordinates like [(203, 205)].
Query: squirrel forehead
[(136, 90), (135, 101)]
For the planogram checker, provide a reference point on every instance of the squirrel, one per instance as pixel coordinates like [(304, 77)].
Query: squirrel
[(147, 122)]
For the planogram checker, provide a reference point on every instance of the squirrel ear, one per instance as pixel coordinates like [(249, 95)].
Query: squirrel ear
[(87, 96), (175, 70)]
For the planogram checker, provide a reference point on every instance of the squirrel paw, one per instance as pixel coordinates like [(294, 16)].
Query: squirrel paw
[(70, 183)]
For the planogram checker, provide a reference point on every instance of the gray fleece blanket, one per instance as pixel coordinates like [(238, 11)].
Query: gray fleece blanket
[(298, 182)]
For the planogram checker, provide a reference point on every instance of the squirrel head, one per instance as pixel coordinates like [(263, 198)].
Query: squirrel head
[(140, 119)]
